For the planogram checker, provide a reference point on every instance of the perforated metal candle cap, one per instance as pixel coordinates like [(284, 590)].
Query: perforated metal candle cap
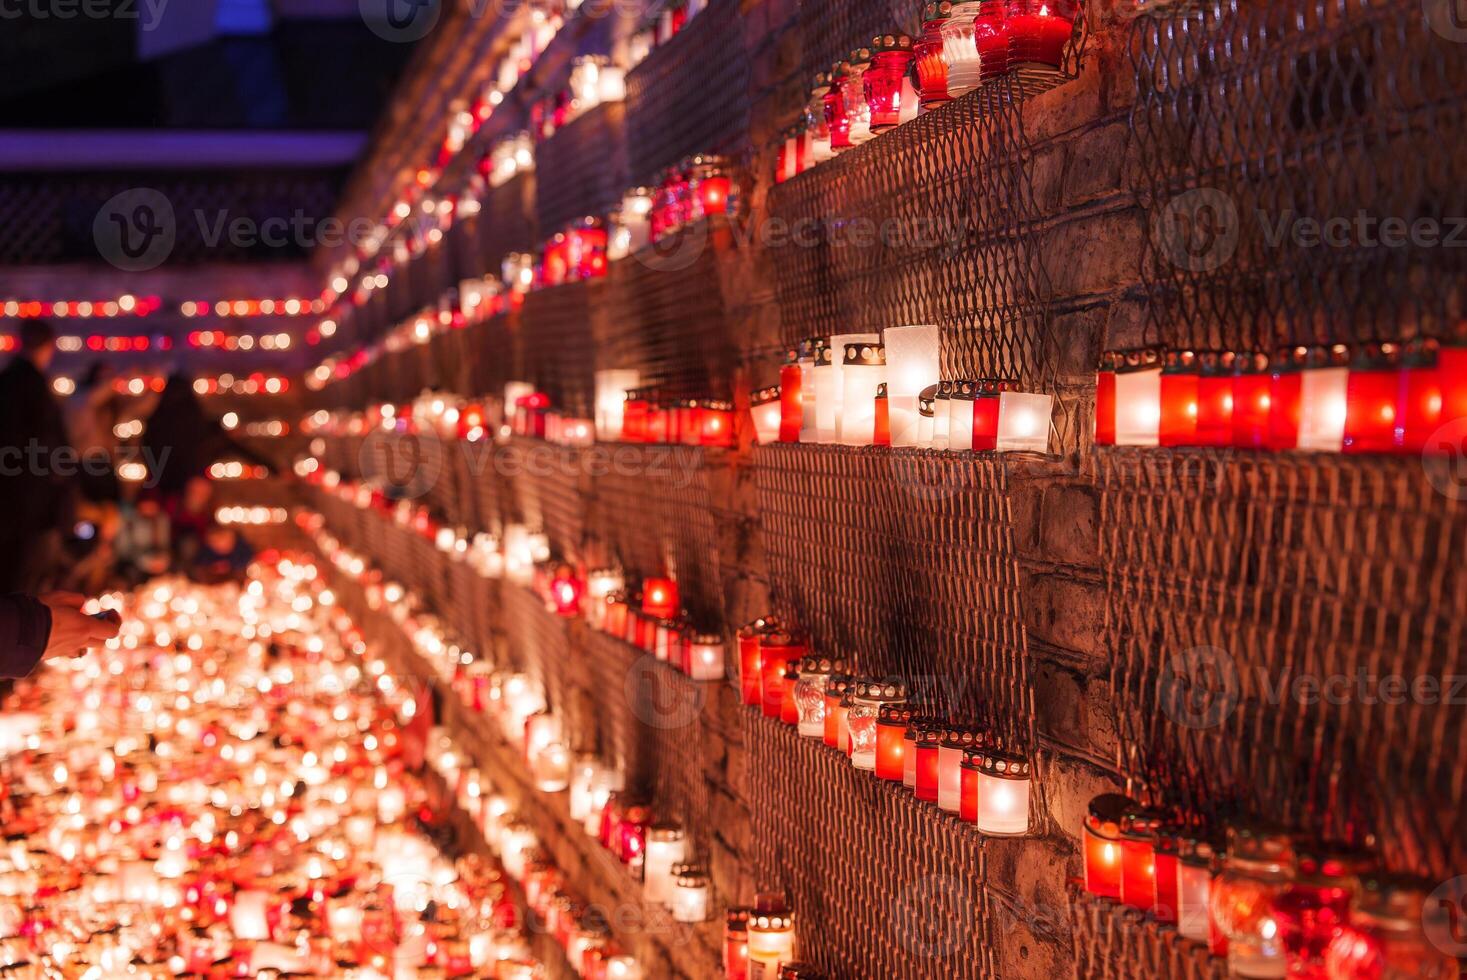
[(926, 401), (964, 390), (838, 684), (1396, 901), (1315, 356), (1139, 359), (811, 346), (771, 921), (895, 713), (882, 43), (1180, 362), (824, 356), (873, 355), (737, 919), (760, 627), (705, 639), (880, 690), (960, 737), (859, 58), (1323, 863), (1142, 823), (1003, 765), (816, 665), (941, 10), (993, 387), (800, 971), (1258, 845), (944, 390), (690, 875), (1251, 362), (1105, 811), (665, 833)]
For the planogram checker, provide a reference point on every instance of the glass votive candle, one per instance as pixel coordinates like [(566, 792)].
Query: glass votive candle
[(960, 49), (1139, 831), (830, 87), (1038, 31), (766, 409), (835, 693), (1316, 903), (1323, 400), (927, 52), (809, 358), (1386, 937), (1102, 848), (1105, 400), (776, 650), (550, 767), (853, 95), (1372, 399), (1195, 864), (810, 695), (660, 598), (1003, 782), (962, 410), (692, 894), (705, 657), (750, 636), (631, 837), (891, 731), (736, 944), (1179, 376), (1252, 382), (791, 398), (956, 740), (771, 941), (1419, 412), (891, 58), (1138, 398), (667, 847), (1254, 874), (927, 742), (867, 698)]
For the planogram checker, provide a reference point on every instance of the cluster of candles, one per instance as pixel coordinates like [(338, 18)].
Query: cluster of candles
[(593, 80), (221, 791), (665, 20), (235, 469), (576, 254), (1380, 398), (961, 46), (651, 619), (125, 305), (962, 769), (658, 854), (691, 190), (759, 943), (877, 390), (1274, 905)]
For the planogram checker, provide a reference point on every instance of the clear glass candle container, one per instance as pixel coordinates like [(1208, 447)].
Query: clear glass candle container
[(766, 409), (771, 941), (835, 693), (960, 48), (692, 894), (1316, 903), (1196, 859), (817, 146), (927, 53), (956, 740), (891, 58), (667, 847), (1254, 874), (810, 695), (867, 698), (807, 357), (1386, 937), (853, 96), (941, 414)]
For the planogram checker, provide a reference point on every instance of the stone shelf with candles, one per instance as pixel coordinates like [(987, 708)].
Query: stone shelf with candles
[(505, 727)]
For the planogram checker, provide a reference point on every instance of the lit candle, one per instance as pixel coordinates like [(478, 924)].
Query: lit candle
[(1102, 847), (1316, 903), (1420, 410), (810, 695), (611, 393), (1105, 400), (582, 781), (750, 637), (1039, 31), (826, 394), (809, 358), (1452, 377), (891, 730), (926, 415), (736, 944), (1195, 864), (941, 414), (1167, 855), (1139, 828), (862, 372), (789, 712), (691, 895), (791, 397), (931, 68), (961, 411), (660, 598), (715, 424), (249, 915), (1323, 399), (705, 657), (891, 58), (925, 747), (1179, 376), (835, 692), (766, 408), (956, 740), (867, 698), (1138, 398), (623, 967), (1250, 401), (1385, 937), (1372, 399), (911, 365), (601, 584), (550, 767), (771, 940), (667, 847), (1255, 872), (776, 650), (1023, 422)]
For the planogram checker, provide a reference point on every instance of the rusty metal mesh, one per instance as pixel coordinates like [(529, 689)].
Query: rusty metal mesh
[(553, 344), (582, 169), (507, 220), (902, 562), (1231, 581), (549, 484), (1113, 942), (881, 886), (1253, 120), (690, 95)]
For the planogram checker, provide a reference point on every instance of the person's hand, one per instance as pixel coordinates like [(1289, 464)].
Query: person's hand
[(73, 630)]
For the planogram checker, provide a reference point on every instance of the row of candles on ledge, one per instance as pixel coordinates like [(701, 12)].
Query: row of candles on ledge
[(1274, 905), (878, 390), (222, 792), (759, 940), (961, 769), (1379, 398), (961, 46)]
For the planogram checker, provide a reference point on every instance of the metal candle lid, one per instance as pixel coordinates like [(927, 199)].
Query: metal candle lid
[(881, 690), (883, 43), (867, 354), (763, 396), (1003, 765)]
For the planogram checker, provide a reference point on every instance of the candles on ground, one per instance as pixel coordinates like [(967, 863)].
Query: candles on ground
[(771, 939), (667, 847), (691, 894), (867, 698), (1101, 850), (1254, 873)]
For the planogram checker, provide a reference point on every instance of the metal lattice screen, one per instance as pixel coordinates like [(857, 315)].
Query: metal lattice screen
[(584, 168)]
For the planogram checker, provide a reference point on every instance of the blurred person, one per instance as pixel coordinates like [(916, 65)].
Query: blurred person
[(92, 415), (33, 629), (190, 514), (143, 546), (37, 465), (222, 554), (180, 440)]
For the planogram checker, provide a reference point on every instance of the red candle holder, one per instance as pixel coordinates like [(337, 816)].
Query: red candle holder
[(715, 425), (1179, 381), (836, 690), (927, 52), (1166, 855), (789, 712), (1038, 31), (987, 396), (992, 38), (882, 435), (1255, 872), (1252, 390), (1316, 904), (829, 85), (1419, 414), (891, 58), (1215, 400), (791, 398), (712, 189), (1139, 831), (892, 721), (776, 651), (634, 415), (660, 598), (968, 771), (736, 944), (1385, 939), (750, 636), (1372, 397), (1452, 376), (1102, 847), (1105, 401), (926, 745), (565, 592)]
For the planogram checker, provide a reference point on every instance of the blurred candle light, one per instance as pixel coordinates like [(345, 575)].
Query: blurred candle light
[(911, 365)]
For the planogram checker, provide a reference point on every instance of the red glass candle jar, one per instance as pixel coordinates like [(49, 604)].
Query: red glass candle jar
[(1252, 389), (776, 650), (991, 37), (835, 693), (1139, 828), (1372, 395), (891, 730), (1452, 376), (1105, 401), (1285, 398), (1038, 31), (1102, 847), (1385, 939), (736, 944), (968, 785), (986, 401), (1215, 399), (1167, 858), (1316, 904), (853, 96), (927, 52), (830, 86), (1179, 377), (715, 425), (1254, 874), (660, 597), (789, 713), (748, 643), (926, 745), (791, 397), (712, 190), (882, 435), (631, 836), (891, 58), (634, 415), (1419, 413)]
